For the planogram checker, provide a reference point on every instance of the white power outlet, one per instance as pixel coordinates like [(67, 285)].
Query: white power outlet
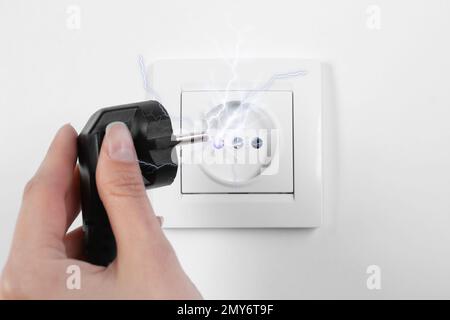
[(262, 164), (230, 163)]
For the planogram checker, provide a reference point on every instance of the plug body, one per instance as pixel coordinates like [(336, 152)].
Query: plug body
[(151, 130)]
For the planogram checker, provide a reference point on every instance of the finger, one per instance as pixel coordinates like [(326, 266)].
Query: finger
[(60, 160), (121, 189), (73, 243), (44, 203), (72, 199)]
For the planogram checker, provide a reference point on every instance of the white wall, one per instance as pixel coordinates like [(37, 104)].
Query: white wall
[(387, 137)]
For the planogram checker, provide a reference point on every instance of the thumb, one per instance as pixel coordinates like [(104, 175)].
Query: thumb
[(122, 191)]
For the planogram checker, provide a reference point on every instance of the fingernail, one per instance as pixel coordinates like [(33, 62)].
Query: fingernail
[(120, 145)]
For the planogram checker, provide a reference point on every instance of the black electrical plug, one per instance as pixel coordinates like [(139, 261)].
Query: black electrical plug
[(151, 129)]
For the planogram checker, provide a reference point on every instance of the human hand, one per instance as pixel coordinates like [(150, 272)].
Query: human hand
[(146, 266)]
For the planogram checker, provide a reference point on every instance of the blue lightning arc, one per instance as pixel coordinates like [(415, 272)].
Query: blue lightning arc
[(155, 167), (147, 87), (241, 113)]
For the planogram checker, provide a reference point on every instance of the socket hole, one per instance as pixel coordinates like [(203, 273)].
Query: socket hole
[(218, 144), (238, 143), (257, 143)]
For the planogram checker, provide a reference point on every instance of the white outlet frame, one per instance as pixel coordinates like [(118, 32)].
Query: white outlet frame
[(278, 106), (303, 208)]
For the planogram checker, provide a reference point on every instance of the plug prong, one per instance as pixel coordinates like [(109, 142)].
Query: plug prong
[(191, 138)]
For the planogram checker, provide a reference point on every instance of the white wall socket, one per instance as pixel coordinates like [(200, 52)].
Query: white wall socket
[(262, 166), (222, 166)]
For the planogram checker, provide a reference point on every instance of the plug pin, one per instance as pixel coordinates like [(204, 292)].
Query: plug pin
[(191, 138)]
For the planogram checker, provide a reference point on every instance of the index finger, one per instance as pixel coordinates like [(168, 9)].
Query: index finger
[(43, 213)]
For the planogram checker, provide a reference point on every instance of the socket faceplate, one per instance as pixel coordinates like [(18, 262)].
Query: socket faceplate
[(174, 80)]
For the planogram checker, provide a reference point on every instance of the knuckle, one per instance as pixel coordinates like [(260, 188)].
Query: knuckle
[(30, 187), (124, 184), (11, 286), (25, 281), (41, 188)]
